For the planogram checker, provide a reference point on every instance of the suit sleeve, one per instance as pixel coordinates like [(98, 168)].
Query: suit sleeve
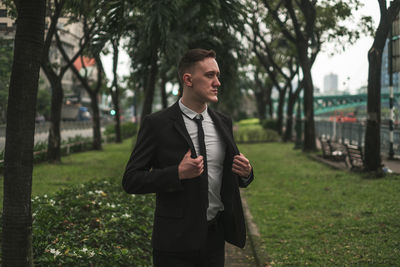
[(243, 181), (140, 177)]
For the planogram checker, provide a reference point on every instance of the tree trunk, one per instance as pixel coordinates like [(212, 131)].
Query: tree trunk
[(270, 107), (54, 141), (118, 137), (281, 104), (263, 96), (150, 86), (17, 214), (261, 104), (115, 94), (309, 127), (289, 117), (163, 90), (94, 104), (372, 135), (293, 96)]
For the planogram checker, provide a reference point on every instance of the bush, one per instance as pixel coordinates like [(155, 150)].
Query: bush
[(252, 121), (95, 224), (128, 129), (270, 124), (254, 134), (76, 144)]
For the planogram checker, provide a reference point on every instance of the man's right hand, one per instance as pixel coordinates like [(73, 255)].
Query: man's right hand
[(190, 168)]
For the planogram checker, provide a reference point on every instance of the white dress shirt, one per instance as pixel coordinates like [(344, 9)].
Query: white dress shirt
[(215, 147)]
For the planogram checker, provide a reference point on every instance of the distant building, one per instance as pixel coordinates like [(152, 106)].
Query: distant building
[(7, 25), (70, 34), (331, 84)]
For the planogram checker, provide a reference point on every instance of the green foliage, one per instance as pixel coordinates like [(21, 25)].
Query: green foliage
[(169, 28), (310, 214), (94, 224), (252, 121), (254, 134), (72, 145), (43, 103), (336, 22), (270, 124), (128, 129)]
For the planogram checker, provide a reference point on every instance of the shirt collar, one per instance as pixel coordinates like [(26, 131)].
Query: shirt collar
[(190, 113)]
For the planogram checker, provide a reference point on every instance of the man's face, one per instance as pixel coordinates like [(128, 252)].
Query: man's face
[(205, 81)]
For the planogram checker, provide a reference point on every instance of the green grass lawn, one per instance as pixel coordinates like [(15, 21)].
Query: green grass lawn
[(307, 213), (310, 214), (79, 168)]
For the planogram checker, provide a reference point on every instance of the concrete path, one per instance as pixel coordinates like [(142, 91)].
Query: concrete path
[(246, 257)]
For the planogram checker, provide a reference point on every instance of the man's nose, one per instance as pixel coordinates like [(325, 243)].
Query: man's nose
[(217, 83)]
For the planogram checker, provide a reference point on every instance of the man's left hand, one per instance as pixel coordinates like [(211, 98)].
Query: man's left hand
[(241, 165)]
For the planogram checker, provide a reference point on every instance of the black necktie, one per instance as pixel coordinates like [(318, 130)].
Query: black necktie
[(204, 176), (198, 119)]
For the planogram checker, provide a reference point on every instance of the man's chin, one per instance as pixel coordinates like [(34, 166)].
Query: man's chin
[(213, 99)]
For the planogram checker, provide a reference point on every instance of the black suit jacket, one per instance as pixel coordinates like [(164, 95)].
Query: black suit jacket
[(180, 221)]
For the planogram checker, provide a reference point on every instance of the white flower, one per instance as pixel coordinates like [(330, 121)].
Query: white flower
[(133, 195), (111, 205), (91, 254), (90, 193), (126, 215), (45, 196), (52, 202), (84, 249), (55, 252), (99, 192)]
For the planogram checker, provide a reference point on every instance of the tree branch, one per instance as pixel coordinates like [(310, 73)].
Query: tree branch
[(282, 26), (296, 26)]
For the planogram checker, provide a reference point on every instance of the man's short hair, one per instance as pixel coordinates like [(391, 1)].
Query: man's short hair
[(190, 58)]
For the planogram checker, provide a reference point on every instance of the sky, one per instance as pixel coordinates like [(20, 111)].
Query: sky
[(351, 66)]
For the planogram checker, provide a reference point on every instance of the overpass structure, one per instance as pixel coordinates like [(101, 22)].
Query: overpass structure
[(323, 104), (330, 103)]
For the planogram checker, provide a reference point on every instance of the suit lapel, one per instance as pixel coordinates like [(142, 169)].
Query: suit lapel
[(225, 132), (180, 126)]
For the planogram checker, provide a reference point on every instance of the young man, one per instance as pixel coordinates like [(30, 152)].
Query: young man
[(186, 154)]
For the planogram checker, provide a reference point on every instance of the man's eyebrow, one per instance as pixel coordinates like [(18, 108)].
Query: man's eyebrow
[(213, 72)]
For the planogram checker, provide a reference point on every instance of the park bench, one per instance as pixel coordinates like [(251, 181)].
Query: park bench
[(355, 156), (333, 151)]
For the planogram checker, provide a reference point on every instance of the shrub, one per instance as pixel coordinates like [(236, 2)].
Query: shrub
[(76, 144), (252, 121), (96, 224), (128, 129), (270, 124), (254, 134)]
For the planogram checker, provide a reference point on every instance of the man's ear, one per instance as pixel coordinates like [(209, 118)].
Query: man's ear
[(187, 79)]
